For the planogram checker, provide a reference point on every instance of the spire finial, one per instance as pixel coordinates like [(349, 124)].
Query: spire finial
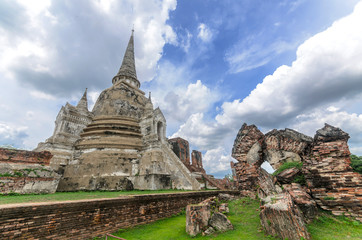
[(128, 67), (83, 102)]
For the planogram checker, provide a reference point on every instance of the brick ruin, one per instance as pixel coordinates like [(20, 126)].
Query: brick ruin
[(181, 148), (329, 176), (196, 158), (86, 219), (325, 178), (26, 172)]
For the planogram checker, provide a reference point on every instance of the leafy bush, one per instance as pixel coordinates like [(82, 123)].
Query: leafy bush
[(356, 163), (300, 179), (288, 165)]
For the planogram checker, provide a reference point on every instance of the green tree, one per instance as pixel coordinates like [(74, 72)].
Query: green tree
[(356, 163)]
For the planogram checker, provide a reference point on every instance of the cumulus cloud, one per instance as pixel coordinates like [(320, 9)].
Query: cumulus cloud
[(43, 42), (179, 95), (348, 122), (179, 103), (50, 51), (217, 161), (327, 71), (12, 135)]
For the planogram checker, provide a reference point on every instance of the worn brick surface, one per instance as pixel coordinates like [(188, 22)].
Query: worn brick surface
[(181, 148), (329, 176), (87, 219), (196, 165), (23, 156), (247, 172)]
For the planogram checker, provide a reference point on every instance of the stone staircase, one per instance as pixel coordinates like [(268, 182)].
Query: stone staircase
[(176, 167), (213, 182)]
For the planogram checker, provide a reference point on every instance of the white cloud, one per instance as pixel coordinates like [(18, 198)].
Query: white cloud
[(35, 7), (52, 50), (181, 103), (348, 122), (216, 161), (185, 41), (328, 68), (38, 46), (195, 129), (104, 5), (205, 33), (12, 135), (325, 78), (250, 53), (179, 96), (41, 95), (92, 98)]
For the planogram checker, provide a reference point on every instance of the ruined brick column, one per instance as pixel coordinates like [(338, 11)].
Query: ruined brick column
[(247, 150), (196, 158), (329, 176), (181, 148)]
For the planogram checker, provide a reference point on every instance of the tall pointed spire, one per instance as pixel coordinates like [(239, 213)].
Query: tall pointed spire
[(83, 102), (128, 68)]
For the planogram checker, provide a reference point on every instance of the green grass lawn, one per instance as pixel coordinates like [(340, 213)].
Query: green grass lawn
[(329, 227), (65, 196), (244, 215), (245, 218)]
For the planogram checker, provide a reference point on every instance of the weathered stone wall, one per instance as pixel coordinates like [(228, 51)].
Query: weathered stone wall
[(332, 182), (26, 172), (27, 185), (87, 219), (70, 122)]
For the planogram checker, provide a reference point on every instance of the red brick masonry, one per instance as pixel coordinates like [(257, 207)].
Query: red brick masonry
[(87, 219), (24, 157)]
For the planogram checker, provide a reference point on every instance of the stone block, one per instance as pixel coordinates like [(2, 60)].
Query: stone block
[(281, 217), (288, 175), (197, 218), (220, 222)]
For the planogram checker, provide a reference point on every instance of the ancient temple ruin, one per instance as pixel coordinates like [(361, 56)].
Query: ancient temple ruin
[(323, 179), (120, 144), (181, 148)]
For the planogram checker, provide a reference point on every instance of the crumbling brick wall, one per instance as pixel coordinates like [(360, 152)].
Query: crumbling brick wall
[(24, 157), (196, 165), (247, 168), (181, 148), (329, 176), (24, 171), (326, 164), (90, 218)]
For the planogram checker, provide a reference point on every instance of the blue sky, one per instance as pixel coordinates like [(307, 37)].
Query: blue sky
[(210, 65)]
